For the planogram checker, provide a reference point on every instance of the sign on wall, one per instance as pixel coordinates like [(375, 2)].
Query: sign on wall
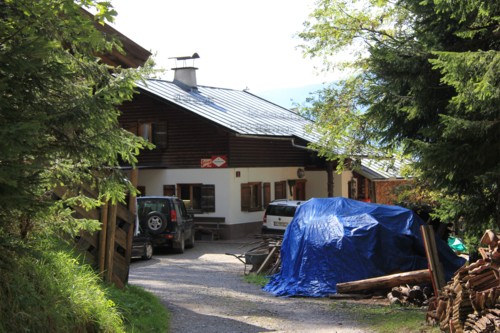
[(214, 162)]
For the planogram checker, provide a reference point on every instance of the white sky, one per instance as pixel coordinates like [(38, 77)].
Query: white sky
[(241, 44)]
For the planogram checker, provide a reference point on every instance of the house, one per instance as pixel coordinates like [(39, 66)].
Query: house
[(376, 181), (227, 153)]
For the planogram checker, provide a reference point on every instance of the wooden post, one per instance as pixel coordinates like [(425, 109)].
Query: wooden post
[(267, 260), (102, 239), (110, 243), (435, 266), (329, 175), (134, 178)]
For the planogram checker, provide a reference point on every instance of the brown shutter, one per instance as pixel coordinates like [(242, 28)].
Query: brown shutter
[(280, 190), (267, 194), (169, 190), (208, 198), (259, 196), (246, 192)]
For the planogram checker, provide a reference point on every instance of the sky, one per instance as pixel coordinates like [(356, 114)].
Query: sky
[(242, 44)]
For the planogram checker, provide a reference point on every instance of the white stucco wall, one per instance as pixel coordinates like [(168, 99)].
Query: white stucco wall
[(228, 186)]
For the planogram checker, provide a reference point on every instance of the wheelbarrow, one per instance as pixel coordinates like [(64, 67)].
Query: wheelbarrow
[(254, 257)]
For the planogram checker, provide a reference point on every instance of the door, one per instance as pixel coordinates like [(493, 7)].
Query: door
[(299, 192)]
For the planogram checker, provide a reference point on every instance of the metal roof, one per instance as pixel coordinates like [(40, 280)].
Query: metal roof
[(238, 111), (381, 169), (248, 114)]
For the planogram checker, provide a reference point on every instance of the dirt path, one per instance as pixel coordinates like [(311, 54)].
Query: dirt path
[(204, 290)]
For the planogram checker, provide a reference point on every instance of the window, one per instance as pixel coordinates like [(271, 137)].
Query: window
[(169, 190), (142, 190), (251, 197), (155, 133), (199, 198)]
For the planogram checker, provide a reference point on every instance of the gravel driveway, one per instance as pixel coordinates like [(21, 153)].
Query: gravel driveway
[(205, 292)]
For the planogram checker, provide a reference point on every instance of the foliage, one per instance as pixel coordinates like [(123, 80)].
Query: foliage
[(141, 310), (423, 83), (44, 288), (58, 113), (385, 319)]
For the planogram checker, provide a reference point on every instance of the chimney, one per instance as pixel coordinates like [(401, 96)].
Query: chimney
[(185, 76)]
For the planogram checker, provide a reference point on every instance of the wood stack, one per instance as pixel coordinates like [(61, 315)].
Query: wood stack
[(471, 301), (410, 295)]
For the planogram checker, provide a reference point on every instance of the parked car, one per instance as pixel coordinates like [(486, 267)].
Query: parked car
[(279, 213), (167, 222), (142, 246)]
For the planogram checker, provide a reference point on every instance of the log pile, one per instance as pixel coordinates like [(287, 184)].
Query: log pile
[(471, 301), (410, 295)]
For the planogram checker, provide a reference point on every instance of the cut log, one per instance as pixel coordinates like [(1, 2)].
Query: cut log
[(385, 282)]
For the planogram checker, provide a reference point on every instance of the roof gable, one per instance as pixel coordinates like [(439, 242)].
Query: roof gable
[(238, 111)]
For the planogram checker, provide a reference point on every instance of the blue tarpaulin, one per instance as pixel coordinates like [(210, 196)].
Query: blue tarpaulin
[(333, 240)]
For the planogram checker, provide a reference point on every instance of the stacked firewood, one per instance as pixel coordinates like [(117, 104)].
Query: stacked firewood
[(471, 301), (406, 295)]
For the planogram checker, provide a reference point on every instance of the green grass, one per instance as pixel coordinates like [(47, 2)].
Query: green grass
[(44, 287), (141, 310), (387, 319), (259, 280)]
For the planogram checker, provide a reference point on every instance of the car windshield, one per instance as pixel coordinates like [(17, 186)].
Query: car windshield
[(281, 210)]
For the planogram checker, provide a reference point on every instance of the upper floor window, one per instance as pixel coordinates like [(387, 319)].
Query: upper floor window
[(154, 132)]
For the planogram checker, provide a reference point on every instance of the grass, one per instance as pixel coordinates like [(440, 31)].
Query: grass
[(387, 319), (44, 287), (259, 280), (141, 310)]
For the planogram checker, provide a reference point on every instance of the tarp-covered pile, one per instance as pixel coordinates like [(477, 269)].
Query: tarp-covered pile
[(333, 240)]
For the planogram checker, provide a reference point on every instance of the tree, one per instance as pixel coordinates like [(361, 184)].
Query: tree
[(424, 82), (58, 113)]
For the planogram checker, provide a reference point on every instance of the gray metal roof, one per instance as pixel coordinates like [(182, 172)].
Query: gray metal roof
[(381, 169), (239, 111), (248, 114)]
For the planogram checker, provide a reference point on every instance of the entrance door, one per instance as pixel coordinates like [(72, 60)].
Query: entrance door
[(299, 192)]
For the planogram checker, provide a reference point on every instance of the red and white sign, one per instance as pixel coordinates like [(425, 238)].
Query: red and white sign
[(214, 162), (206, 163)]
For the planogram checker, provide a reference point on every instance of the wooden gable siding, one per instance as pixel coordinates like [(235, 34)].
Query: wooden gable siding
[(251, 152), (189, 137)]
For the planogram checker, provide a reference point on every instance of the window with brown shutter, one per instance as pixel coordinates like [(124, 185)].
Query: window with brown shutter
[(251, 196), (199, 198)]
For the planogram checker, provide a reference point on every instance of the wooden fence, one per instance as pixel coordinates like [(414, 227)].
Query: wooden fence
[(109, 249)]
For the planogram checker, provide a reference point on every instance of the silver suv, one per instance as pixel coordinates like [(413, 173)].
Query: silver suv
[(279, 214)]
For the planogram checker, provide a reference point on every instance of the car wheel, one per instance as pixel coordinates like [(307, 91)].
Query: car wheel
[(180, 245), (156, 223), (148, 253), (190, 241)]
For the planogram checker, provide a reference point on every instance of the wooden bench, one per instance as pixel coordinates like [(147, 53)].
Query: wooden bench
[(211, 226)]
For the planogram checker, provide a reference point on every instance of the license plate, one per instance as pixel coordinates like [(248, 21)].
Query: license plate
[(280, 224)]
